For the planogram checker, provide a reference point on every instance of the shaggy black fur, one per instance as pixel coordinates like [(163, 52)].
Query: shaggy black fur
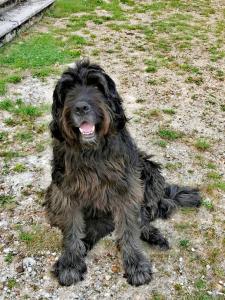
[(101, 180)]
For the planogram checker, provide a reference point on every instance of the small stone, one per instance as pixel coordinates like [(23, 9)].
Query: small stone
[(20, 269), (208, 267), (193, 249), (3, 224), (7, 250), (28, 263), (107, 277)]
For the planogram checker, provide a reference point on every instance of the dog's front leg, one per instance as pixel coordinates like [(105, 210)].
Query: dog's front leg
[(71, 267), (136, 266)]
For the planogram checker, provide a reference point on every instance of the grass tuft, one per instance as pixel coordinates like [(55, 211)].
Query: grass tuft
[(169, 134), (202, 144)]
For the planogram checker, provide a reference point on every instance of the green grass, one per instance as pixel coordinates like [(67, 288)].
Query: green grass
[(9, 258), (198, 80), (147, 113), (4, 79), (35, 51), (190, 68), (202, 144), (22, 109), (219, 185), (173, 166), (77, 40), (25, 136), (3, 135), (161, 143), (152, 66), (168, 134), (19, 168), (11, 283), (26, 237), (184, 243), (169, 111), (39, 238), (207, 204), (6, 201), (63, 8), (10, 154), (200, 284), (214, 175), (211, 166)]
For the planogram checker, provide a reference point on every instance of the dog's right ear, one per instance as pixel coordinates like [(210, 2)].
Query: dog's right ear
[(66, 82)]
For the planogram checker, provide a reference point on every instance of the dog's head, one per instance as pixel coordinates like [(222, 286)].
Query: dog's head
[(86, 106)]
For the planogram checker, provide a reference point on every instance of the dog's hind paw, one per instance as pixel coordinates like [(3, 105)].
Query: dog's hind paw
[(68, 274), (138, 273)]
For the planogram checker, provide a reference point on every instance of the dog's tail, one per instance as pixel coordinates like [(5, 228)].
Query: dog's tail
[(178, 196)]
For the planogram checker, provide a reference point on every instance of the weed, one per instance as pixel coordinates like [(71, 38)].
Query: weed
[(202, 144), (173, 166), (11, 283), (6, 201), (77, 40), (200, 284), (207, 204), (9, 257), (198, 80), (214, 175), (184, 243), (10, 122), (39, 239), (161, 143), (152, 66), (19, 168), (169, 111), (169, 134), (3, 135)]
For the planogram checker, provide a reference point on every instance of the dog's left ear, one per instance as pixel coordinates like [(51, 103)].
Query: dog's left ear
[(115, 102), (107, 86)]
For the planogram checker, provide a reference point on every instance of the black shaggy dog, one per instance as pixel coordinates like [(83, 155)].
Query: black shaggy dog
[(101, 180)]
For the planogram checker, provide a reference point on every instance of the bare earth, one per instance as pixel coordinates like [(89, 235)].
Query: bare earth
[(194, 267)]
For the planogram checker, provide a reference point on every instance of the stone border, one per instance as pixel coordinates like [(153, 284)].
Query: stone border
[(12, 21)]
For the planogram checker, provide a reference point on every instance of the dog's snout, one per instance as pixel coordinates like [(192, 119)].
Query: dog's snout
[(82, 107)]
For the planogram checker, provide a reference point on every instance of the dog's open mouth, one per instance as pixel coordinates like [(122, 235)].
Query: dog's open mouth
[(87, 130)]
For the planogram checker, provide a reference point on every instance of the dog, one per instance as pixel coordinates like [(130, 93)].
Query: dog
[(101, 181)]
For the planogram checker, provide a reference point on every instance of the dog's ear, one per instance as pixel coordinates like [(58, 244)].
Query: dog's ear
[(107, 86), (115, 103), (64, 84)]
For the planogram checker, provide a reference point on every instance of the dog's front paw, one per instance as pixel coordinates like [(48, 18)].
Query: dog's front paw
[(69, 272), (138, 273)]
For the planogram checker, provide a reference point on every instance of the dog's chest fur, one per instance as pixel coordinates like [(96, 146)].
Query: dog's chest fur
[(96, 182)]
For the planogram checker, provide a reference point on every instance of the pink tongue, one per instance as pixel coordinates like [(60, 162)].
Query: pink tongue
[(86, 127)]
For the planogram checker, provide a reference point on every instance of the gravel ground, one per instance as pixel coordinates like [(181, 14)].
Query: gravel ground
[(194, 267)]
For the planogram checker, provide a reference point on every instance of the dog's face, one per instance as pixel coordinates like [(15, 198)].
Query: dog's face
[(85, 116), (86, 106)]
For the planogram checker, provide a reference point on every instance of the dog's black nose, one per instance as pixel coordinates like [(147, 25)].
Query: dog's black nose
[(82, 107)]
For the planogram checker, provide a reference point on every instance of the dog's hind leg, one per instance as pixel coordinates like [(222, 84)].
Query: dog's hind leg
[(97, 225), (151, 234)]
